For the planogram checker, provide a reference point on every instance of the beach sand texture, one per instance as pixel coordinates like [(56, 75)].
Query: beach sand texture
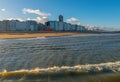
[(35, 35)]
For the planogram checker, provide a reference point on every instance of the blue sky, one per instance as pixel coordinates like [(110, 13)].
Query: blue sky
[(93, 12)]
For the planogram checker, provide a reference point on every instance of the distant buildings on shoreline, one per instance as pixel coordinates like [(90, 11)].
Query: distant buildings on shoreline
[(63, 26), (23, 26), (33, 26)]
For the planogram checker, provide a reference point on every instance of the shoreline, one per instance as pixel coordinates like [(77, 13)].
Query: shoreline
[(19, 35), (35, 35)]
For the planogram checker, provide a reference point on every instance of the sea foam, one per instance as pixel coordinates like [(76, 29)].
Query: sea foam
[(65, 70)]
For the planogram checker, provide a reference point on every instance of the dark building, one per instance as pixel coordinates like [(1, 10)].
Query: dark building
[(60, 18)]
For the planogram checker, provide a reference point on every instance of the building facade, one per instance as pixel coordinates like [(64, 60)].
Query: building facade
[(15, 25), (33, 26), (63, 26)]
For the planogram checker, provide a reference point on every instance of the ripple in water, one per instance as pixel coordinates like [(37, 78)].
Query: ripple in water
[(63, 52)]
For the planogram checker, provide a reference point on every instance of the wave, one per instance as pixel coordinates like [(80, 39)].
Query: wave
[(66, 70), (2, 40), (30, 38), (104, 72)]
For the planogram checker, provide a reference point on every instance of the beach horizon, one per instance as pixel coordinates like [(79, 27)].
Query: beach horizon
[(17, 35)]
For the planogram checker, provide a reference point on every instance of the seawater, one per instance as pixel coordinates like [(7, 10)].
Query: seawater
[(89, 58)]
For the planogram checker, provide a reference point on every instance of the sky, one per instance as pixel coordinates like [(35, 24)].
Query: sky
[(104, 13)]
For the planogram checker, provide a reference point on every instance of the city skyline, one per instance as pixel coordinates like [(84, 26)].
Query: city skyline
[(86, 12)]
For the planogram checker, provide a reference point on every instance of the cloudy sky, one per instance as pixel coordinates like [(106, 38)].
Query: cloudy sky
[(87, 12)]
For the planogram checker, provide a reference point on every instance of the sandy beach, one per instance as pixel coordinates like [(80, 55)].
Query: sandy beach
[(35, 35)]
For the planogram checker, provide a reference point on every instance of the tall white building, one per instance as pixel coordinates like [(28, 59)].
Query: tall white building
[(1, 28), (15, 25), (5, 25), (31, 25), (21, 26)]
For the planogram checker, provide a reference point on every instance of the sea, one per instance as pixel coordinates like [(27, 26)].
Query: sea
[(78, 58)]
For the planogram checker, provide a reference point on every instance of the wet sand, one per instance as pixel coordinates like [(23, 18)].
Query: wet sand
[(35, 35)]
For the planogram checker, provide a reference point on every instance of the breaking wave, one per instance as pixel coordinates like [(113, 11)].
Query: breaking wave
[(111, 67), (80, 69)]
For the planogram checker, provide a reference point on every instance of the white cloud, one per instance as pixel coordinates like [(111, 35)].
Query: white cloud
[(39, 19), (73, 20), (38, 12), (42, 18), (3, 10), (90, 27), (20, 19)]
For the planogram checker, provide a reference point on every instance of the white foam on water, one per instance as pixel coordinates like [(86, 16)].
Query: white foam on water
[(30, 38), (90, 68), (2, 40)]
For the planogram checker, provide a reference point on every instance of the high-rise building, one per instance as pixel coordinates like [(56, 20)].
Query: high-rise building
[(60, 18)]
